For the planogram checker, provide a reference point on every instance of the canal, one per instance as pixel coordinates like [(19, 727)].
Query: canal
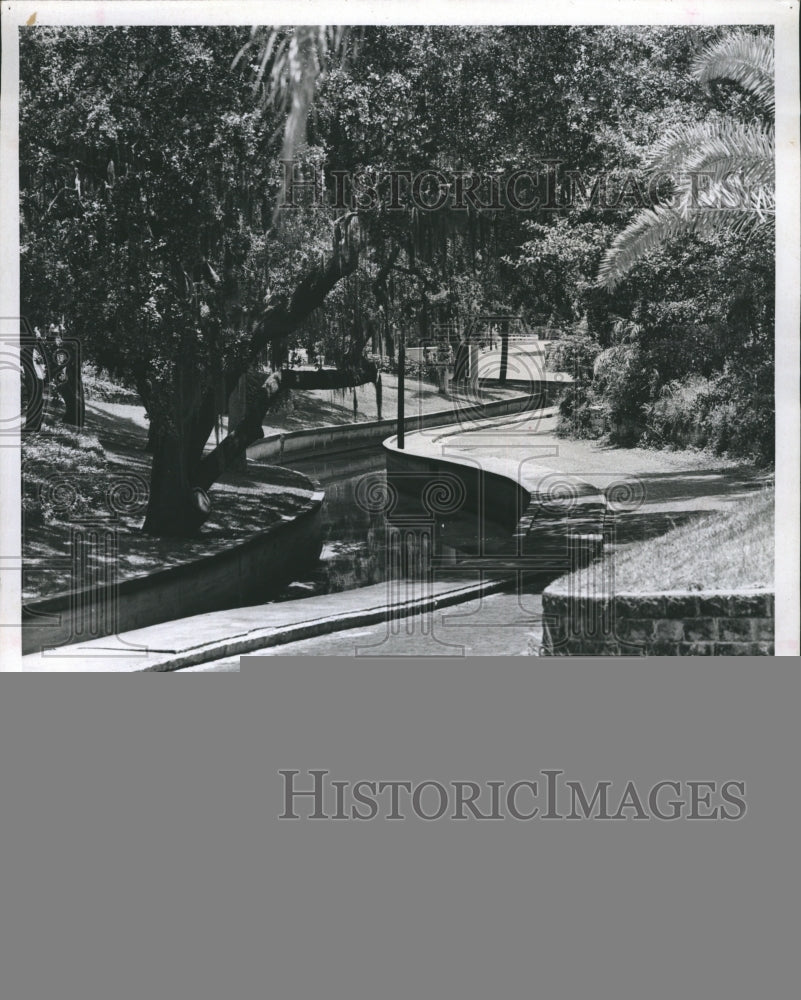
[(360, 547)]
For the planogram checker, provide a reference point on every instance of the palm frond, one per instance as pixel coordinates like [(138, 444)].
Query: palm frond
[(647, 231), (723, 170), (744, 58), (717, 148), (655, 227), (291, 63)]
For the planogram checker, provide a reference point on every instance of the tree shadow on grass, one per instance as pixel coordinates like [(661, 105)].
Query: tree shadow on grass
[(674, 498), (119, 435), (241, 507)]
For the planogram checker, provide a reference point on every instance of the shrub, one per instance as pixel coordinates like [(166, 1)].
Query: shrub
[(578, 415), (98, 385), (624, 385), (574, 354), (412, 369), (731, 413), (675, 417), (738, 416)]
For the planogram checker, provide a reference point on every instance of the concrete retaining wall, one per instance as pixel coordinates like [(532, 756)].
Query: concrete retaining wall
[(281, 446), (502, 498), (243, 574), (555, 519), (675, 623)]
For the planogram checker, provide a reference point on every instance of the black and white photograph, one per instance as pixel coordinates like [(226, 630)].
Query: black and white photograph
[(398, 339)]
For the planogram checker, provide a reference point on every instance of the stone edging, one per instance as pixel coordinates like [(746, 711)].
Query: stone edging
[(669, 623)]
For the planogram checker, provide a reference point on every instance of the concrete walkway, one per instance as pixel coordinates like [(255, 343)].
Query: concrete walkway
[(648, 492), (186, 642), (495, 625)]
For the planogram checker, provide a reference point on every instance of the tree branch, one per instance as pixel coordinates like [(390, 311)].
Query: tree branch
[(282, 318), (259, 401)]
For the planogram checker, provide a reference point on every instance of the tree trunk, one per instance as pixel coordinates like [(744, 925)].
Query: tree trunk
[(237, 410), (176, 506), (504, 356), (232, 449), (473, 362), (70, 388), (34, 387), (248, 430)]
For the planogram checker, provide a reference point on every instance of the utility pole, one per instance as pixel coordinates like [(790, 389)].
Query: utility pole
[(504, 353), (401, 384)]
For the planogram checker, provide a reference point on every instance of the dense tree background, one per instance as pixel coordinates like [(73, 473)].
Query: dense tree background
[(151, 179)]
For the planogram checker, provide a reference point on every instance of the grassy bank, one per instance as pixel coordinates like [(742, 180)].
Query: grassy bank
[(723, 550)]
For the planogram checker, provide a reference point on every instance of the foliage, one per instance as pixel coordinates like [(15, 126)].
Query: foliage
[(150, 179), (297, 58), (414, 370), (159, 239), (574, 354), (76, 455), (722, 168), (685, 330), (98, 385), (730, 414), (624, 383), (558, 265)]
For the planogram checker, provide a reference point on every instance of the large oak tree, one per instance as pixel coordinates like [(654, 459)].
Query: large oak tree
[(149, 181)]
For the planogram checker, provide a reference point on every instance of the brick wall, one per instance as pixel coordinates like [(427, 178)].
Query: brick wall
[(676, 623)]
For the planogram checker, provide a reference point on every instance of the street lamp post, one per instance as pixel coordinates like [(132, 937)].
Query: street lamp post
[(401, 385), (504, 353)]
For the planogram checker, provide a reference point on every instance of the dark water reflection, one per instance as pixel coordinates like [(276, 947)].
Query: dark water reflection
[(363, 546)]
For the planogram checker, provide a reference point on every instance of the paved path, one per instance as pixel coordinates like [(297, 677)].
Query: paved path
[(649, 491), (202, 638), (497, 625)]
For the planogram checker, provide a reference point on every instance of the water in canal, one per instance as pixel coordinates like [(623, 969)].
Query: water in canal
[(362, 540)]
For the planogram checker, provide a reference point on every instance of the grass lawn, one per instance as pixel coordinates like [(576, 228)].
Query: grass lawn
[(70, 477), (330, 407), (723, 550)]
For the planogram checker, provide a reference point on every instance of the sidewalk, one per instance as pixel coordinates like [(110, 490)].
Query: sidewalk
[(189, 641), (648, 491), (504, 624)]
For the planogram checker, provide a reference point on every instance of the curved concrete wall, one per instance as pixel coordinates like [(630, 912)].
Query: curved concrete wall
[(552, 535), (243, 574), (284, 445)]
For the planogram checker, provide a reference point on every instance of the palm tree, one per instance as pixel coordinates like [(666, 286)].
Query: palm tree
[(723, 170), (292, 62)]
